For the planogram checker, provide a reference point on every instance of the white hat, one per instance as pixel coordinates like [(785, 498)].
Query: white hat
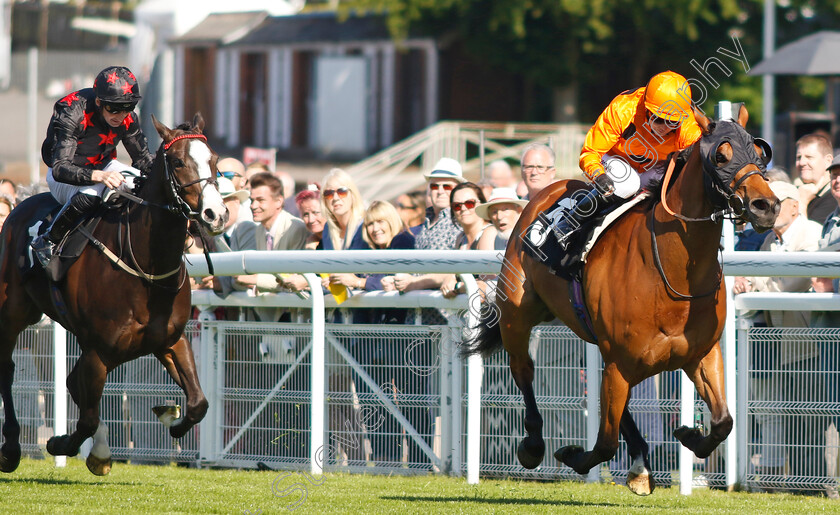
[(499, 196), (784, 190), (446, 168), (227, 190)]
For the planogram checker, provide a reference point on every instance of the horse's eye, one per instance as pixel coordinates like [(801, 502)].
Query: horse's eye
[(177, 163), (720, 158)]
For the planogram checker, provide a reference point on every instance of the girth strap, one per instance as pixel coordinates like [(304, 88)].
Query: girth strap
[(120, 263)]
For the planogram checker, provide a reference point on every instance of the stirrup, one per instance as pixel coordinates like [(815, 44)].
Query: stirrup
[(43, 249)]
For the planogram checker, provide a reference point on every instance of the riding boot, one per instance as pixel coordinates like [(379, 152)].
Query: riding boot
[(584, 210), (66, 219)]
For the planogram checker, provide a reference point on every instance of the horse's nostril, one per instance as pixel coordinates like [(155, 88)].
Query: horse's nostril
[(209, 215), (760, 205)]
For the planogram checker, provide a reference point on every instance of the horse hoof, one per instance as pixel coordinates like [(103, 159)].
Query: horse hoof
[(528, 458), (639, 479), (566, 456), (53, 446), (98, 466), (690, 437), (9, 460), (179, 429), (167, 414)]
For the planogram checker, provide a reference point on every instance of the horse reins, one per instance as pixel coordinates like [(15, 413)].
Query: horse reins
[(177, 206)]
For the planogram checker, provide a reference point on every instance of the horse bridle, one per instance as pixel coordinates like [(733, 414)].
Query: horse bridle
[(717, 184), (177, 203), (718, 179)]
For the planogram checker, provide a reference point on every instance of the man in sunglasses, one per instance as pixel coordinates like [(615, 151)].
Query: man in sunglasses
[(638, 129), (80, 150)]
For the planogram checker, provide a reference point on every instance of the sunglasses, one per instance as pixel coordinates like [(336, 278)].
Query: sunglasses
[(118, 108), (341, 192), (468, 204), (403, 206), (229, 175), (438, 187)]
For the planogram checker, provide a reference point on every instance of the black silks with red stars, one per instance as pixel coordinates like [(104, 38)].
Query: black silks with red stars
[(79, 140)]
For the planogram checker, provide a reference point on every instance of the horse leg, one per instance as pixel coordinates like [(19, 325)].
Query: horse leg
[(10, 452), (707, 375), (531, 449), (85, 383), (615, 392), (639, 478), (180, 363)]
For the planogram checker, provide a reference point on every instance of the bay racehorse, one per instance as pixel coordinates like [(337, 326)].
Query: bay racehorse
[(652, 286), (118, 313)]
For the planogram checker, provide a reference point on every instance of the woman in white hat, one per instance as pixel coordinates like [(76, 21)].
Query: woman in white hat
[(502, 209)]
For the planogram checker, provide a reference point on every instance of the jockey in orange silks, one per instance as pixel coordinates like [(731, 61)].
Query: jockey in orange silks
[(636, 132)]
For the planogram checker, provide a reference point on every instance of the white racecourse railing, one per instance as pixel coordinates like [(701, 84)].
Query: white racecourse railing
[(486, 262)]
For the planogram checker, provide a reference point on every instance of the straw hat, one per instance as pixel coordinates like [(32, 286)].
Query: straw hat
[(446, 168), (227, 190), (499, 196), (784, 190)]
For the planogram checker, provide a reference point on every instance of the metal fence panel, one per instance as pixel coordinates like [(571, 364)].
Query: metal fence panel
[(560, 386), (793, 408)]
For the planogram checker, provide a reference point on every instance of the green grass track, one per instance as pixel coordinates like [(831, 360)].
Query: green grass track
[(39, 487)]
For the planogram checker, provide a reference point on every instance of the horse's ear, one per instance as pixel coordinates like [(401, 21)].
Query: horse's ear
[(162, 129), (705, 123), (743, 116), (198, 122)]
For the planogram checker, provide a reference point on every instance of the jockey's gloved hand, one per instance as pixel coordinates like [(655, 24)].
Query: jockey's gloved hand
[(604, 184)]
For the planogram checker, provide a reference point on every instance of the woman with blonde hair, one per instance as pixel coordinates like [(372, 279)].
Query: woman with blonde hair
[(344, 209), (384, 229)]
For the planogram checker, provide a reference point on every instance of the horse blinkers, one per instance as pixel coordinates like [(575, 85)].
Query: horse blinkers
[(724, 152)]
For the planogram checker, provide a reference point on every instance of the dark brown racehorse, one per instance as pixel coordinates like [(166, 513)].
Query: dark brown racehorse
[(653, 288), (116, 315)]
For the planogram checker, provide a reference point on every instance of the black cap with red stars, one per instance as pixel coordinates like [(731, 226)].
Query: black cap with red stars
[(116, 84)]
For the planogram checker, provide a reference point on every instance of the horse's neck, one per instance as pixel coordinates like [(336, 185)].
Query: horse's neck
[(687, 197), (157, 234)]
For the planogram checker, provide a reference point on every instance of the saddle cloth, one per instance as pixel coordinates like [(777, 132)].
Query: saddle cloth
[(66, 252), (542, 245)]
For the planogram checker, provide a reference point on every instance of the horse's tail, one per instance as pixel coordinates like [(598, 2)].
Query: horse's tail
[(484, 339)]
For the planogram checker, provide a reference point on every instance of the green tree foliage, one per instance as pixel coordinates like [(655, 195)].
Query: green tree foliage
[(602, 47)]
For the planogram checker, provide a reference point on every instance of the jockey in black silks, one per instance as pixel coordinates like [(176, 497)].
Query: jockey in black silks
[(80, 150)]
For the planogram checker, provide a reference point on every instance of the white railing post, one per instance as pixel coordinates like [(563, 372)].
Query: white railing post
[(209, 441), (316, 448), (446, 404), (686, 419), (60, 385), (475, 372), (455, 392), (743, 398), (729, 343), (593, 404)]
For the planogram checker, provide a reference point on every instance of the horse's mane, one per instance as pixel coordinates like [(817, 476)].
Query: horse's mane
[(186, 127)]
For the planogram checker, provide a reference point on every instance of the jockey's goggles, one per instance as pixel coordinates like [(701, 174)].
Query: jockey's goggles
[(118, 108), (655, 120)]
